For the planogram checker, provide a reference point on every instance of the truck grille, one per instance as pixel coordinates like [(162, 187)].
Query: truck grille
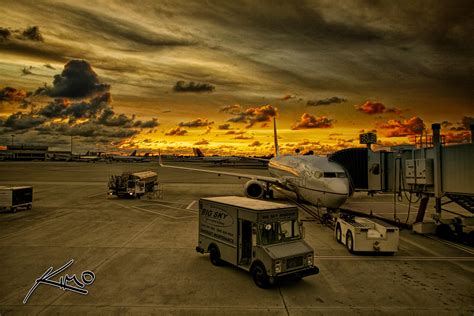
[(294, 263)]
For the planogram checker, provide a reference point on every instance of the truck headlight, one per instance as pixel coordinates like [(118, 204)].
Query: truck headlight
[(310, 259), (277, 266)]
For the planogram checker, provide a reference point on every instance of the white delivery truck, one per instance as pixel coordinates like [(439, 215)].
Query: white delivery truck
[(261, 237), (361, 234), (12, 198)]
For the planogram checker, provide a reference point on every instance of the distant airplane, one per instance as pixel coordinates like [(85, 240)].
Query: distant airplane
[(132, 158), (216, 159), (314, 179), (91, 156)]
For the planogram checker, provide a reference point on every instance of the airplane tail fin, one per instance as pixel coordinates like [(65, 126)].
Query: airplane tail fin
[(160, 161), (277, 149), (134, 153), (198, 152)]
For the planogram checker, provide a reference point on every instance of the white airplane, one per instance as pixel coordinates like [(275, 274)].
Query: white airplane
[(316, 180)]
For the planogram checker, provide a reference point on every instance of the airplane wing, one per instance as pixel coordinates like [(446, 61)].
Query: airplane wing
[(271, 180)]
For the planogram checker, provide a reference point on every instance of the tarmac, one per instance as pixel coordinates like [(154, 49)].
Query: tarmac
[(142, 253)]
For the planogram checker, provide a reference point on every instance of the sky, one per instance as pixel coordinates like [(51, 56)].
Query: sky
[(173, 75)]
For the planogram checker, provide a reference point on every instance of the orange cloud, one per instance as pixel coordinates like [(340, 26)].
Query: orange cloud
[(462, 137), (310, 121), (177, 131), (370, 107), (397, 128)]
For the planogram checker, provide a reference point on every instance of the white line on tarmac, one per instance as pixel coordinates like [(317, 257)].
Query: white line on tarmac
[(420, 246), (449, 243), (379, 202), (387, 258), (158, 213), (191, 205), (135, 208), (171, 207)]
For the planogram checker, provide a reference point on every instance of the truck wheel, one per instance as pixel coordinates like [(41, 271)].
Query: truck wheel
[(339, 234), (215, 256), (444, 231), (349, 242), (260, 277)]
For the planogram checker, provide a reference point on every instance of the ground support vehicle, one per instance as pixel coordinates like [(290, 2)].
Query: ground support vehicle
[(361, 234), (261, 237), (13, 198), (133, 184)]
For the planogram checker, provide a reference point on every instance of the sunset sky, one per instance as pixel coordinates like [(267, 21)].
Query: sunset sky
[(172, 75)]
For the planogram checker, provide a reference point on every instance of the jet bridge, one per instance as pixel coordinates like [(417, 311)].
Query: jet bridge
[(431, 169)]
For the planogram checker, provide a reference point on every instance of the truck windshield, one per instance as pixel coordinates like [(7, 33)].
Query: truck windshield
[(277, 232)]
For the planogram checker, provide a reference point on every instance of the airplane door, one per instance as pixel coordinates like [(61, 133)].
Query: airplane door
[(375, 171), (245, 242)]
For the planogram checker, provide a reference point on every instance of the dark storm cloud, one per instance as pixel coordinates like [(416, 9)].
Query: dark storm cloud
[(19, 121), (192, 86), (88, 129), (252, 115), (49, 66), (463, 125), (255, 144), (196, 123), (5, 34), (310, 121), (63, 108), (328, 101), (77, 80), (109, 118), (147, 124), (10, 94), (224, 126), (33, 33)]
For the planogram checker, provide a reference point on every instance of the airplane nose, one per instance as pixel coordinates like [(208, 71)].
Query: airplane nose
[(339, 186), (334, 201)]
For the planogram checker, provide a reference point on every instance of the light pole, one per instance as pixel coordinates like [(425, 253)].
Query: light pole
[(13, 140)]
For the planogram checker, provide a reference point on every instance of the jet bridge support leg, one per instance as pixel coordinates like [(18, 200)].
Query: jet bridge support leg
[(422, 209)]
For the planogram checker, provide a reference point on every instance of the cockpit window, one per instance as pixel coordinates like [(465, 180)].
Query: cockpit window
[(335, 175)]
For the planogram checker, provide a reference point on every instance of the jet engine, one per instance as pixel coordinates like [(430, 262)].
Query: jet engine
[(254, 189)]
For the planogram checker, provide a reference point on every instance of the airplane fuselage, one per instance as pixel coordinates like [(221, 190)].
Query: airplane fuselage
[(314, 179)]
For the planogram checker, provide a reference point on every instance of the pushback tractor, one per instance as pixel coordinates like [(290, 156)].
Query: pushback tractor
[(261, 237), (360, 234)]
